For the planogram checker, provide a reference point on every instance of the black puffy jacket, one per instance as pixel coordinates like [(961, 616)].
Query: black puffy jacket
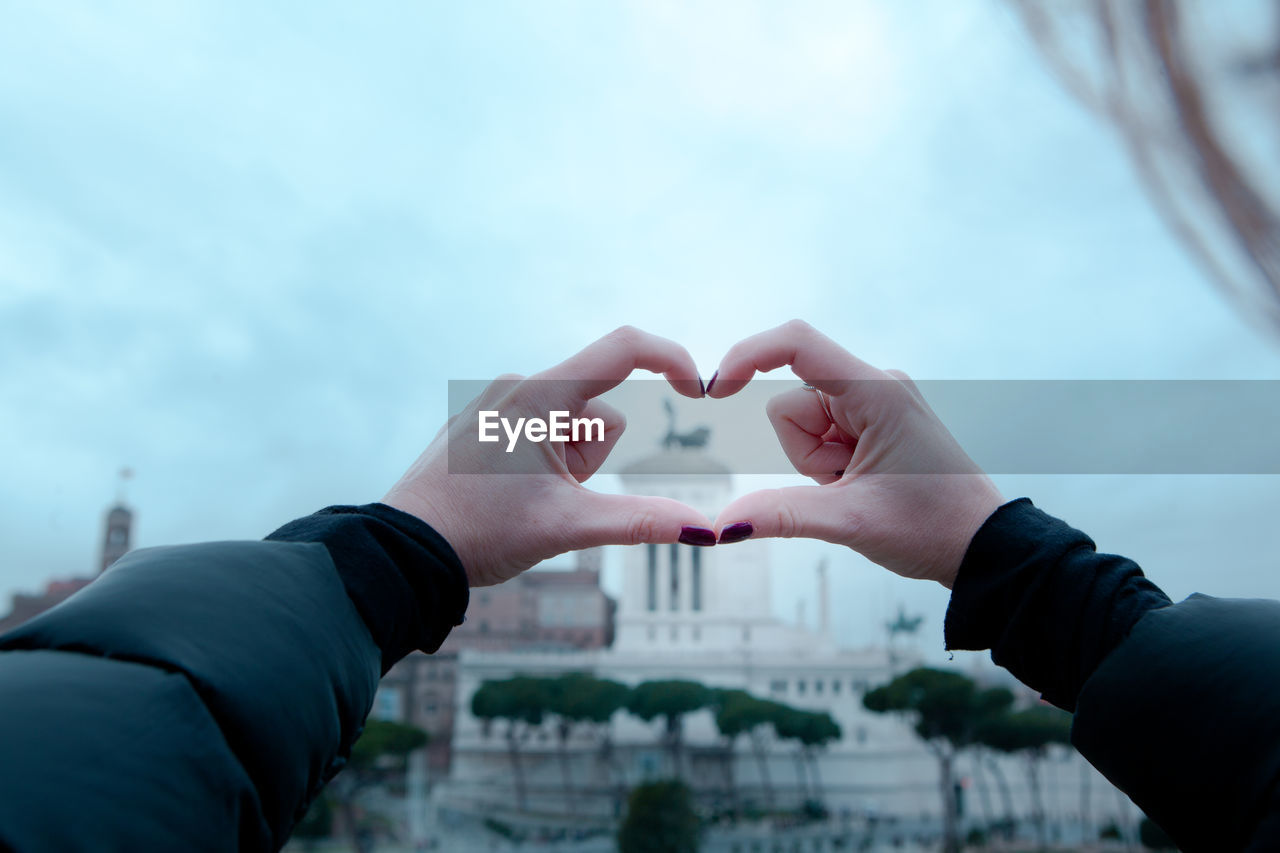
[(1177, 704), (198, 697)]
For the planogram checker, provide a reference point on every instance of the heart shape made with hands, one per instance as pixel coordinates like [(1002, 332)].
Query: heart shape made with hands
[(855, 435)]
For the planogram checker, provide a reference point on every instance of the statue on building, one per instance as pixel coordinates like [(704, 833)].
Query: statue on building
[(693, 438), (904, 624)]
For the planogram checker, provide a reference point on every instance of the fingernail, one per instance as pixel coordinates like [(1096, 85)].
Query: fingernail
[(702, 389), (736, 532), (697, 536), (712, 383)]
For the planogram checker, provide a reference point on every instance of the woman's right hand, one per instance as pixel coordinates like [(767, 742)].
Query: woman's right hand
[(894, 484)]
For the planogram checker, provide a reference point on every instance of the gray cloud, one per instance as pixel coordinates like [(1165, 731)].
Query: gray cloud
[(243, 248)]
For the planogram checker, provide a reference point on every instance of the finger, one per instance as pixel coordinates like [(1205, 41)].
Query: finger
[(498, 389), (814, 357), (492, 392), (633, 520), (805, 433), (907, 381), (585, 456), (796, 511), (608, 361)]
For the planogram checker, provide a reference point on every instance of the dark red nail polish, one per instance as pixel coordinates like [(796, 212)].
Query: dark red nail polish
[(697, 536), (712, 383), (736, 532), (702, 389)]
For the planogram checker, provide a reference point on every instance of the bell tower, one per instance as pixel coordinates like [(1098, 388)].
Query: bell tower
[(118, 531)]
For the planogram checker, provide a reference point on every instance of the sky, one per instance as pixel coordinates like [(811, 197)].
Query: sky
[(244, 247)]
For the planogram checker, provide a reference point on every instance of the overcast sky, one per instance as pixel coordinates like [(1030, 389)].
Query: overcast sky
[(244, 246)]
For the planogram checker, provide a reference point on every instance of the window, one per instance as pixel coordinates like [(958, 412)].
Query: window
[(778, 685), (817, 685), (386, 704), (652, 596), (835, 686), (696, 580), (675, 577), (800, 687)]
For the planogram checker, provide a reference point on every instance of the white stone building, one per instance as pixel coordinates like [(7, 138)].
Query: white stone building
[(705, 614)]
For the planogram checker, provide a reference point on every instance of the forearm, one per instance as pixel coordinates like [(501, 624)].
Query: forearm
[(404, 578), (1174, 704), (1036, 592), (235, 676), (258, 638)]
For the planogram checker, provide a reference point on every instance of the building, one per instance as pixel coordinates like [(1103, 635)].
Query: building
[(549, 608), (546, 608), (117, 536), (706, 615)]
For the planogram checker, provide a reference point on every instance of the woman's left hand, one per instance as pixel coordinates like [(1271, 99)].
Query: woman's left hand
[(529, 504)]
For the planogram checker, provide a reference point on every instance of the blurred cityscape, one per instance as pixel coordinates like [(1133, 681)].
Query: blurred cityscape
[(543, 715), (992, 190)]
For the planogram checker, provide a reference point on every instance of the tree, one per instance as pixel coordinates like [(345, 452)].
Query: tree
[(578, 698), (731, 724), (788, 723), (739, 713), (520, 700), (379, 754), (812, 731), (983, 791), (605, 699), (671, 700), (946, 709), (660, 819), (1030, 732), (1006, 797)]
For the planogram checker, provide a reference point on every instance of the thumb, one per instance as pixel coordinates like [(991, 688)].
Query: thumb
[(634, 520), (812, 512)]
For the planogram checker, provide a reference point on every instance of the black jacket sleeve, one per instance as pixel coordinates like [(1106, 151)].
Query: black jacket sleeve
[(198, 697), (1178, 705), (404, 578)]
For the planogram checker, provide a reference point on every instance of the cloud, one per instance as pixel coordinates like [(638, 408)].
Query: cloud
[(825, 75), (243, 247)]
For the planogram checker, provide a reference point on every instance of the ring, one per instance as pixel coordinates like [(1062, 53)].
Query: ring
[(822, 398)]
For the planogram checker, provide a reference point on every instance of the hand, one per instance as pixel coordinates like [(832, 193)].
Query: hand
[(530, 505), (894, 484)]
